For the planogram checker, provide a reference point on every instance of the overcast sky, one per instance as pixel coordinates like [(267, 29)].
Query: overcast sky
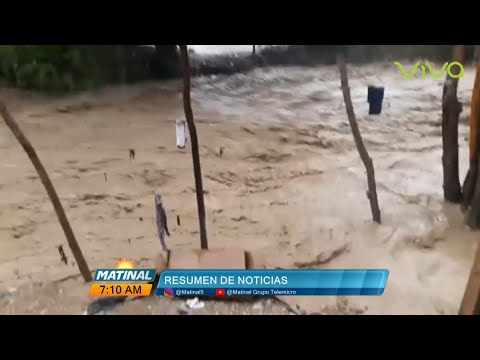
[(219, 49)]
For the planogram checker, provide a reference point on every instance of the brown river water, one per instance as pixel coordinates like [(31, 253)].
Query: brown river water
[(290, 185)]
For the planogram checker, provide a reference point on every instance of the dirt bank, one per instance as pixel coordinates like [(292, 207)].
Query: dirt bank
[(289, 185)]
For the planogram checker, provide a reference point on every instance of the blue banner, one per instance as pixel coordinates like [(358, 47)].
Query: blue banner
[(272, 282)]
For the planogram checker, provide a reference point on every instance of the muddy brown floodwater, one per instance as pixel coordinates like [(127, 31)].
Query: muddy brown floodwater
[(289, 185)]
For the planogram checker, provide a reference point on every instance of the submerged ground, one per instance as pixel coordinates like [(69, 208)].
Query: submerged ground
[(290, 185)]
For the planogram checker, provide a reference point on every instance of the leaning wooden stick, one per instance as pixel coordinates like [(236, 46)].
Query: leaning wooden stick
[(362, 150), (197, 170), (471, 299), (57, 205)]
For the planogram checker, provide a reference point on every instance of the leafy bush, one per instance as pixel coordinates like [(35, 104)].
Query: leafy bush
[(79, 67), (35, 66)]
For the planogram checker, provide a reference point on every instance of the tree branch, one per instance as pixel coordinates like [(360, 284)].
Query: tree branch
[(362, 150), (52, 194), (197, 170)]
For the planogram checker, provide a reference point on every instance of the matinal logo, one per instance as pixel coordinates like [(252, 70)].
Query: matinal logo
[(168, 292), (125, 263), (124, 279)]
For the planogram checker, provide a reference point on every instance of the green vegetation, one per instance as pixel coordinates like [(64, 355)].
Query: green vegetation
[(50, 67), (67, 68)]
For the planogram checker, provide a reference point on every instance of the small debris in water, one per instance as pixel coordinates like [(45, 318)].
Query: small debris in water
[(63, 257), (258, 306), (178, 220), (127, 209), (195, 304), (241, 218), (100, 306), (182, 311), (247, 130), (280, 203), (10, 291)]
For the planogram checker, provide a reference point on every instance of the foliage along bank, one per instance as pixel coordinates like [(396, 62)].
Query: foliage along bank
[(68, 68)]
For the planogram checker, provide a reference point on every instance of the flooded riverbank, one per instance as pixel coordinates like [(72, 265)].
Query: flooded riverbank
[(288, 150)]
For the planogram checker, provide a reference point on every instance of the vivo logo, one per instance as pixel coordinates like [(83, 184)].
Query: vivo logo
[(447, 66)]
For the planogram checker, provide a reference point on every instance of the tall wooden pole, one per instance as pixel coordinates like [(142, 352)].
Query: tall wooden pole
[(451, 109), (471, 178), (52, 194), (362, 150), (197, 170)]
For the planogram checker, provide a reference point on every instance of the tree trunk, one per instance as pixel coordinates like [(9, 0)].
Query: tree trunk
[(473, 219), (47, 183), (122, 64), (471, 299), (471, 178), (187, 104), (362, 150), (471, 186), (451, 109)]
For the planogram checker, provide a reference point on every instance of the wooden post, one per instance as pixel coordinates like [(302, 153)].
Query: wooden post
[(471, 299), (52, 194), (451, 109), (471, 185), (197, 170), (362, 150), (470, 180), (254, 50), (473, 218)]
